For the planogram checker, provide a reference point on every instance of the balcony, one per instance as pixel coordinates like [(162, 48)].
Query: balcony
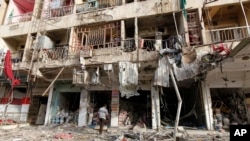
[(94, 4), (20, 18), (55, 53), (59, 12), (228, 34)]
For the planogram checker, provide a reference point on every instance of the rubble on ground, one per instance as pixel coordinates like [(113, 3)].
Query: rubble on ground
[(71, 132)]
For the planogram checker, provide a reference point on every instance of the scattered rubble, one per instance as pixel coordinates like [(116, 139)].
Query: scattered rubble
[(71, 132)]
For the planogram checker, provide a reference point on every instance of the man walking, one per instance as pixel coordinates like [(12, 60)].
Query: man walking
[(103, 114)]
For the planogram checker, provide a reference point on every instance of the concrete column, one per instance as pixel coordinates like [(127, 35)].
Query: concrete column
[(48, 110), (156, 118), (82, 118), (158, 40), (123, 2), (136, 32), (207, 105), (37, 10), (203, 30), (123, 33), (114, 108), (3, 9), (185, 26)]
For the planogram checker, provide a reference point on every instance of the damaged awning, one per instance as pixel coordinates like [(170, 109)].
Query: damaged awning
[(25, 5)]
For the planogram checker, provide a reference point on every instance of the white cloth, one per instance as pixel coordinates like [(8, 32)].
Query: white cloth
[(103, 112)]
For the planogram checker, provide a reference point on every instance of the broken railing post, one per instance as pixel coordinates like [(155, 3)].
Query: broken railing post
[(51, 84), (179, 103)]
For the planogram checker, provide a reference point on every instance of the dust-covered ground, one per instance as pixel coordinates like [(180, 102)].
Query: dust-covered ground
[(71, 133)]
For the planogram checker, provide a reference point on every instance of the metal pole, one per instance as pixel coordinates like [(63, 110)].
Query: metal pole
[(179, 103), (242, 7), (176, 26)]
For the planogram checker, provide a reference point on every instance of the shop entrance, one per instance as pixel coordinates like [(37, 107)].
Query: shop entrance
[(97, 100), (192, 111), (229, 107), (136, 108), (67, 105)]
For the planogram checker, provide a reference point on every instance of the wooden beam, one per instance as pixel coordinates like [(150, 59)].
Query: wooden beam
[(51, 84)]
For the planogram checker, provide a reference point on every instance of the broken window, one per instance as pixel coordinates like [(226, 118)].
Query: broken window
[(89, 38), (194, 28)]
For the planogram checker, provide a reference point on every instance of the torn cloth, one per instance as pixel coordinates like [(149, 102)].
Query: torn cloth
[(161, 77), (128, 79)]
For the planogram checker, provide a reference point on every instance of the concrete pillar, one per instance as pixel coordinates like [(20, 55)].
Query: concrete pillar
[(123, 2), (3, 9), (37, 10), (82, 118), (156, 118), (48, 110), (136, 32), (158, 40), (185, 25), (207, 105), (114, 108), (203, 30), (123, 33)]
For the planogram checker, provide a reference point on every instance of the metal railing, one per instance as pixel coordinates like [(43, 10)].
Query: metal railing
[(94, 4), (20, 18), (59, 12), (55, 53), (228, 34)]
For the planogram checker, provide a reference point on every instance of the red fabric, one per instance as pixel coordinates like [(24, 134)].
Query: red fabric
[(8, 69), (25, 5)]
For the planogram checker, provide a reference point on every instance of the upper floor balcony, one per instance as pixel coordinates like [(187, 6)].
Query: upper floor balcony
[(231, 34), (20, 18), (19, 11)]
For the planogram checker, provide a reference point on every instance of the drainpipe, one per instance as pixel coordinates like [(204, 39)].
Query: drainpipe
[(242, 7), (179, 103)]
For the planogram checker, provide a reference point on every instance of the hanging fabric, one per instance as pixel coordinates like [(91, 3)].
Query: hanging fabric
[(9, 74), (8, 70)]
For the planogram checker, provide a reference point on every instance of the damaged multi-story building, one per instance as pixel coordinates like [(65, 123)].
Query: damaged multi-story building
[(167, 62)]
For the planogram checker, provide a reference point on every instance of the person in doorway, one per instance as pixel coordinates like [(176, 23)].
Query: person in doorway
[(103, 115)]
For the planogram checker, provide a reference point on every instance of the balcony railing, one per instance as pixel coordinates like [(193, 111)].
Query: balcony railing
[(59, 12), (20, 18), (94, 4), (16, 57), (55, 53), (228, 34)]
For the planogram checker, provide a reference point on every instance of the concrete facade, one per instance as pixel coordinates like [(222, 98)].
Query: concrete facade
[(90, 43)]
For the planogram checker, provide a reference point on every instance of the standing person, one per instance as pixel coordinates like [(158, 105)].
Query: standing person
[(103, 114)]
